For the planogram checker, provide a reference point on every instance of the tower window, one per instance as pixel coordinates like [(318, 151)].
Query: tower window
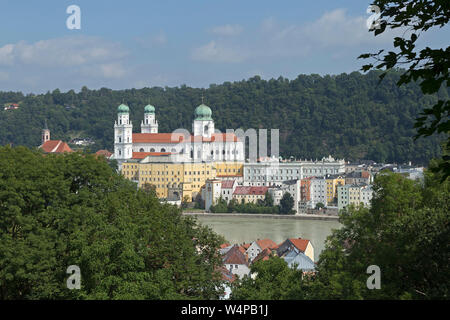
[(141, 150)]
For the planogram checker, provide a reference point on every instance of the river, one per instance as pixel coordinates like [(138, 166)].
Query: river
[(247, 229)]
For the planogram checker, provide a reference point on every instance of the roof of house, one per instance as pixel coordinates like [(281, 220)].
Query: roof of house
[(105, 153), (227, 275), (55, 146), (228, 184), (300, 261), (224, 245), (247, 190), (179, 138), (300, 243), (266, 243), (142, 155), (263, 255), (234, 256)]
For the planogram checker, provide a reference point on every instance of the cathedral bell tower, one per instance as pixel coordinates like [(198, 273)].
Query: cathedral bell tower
[(45, 133), (123, 135), (149, 125)]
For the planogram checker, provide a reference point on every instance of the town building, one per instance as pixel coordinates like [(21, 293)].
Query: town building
[(298, 245), (236, 262), (258, 246), (292, 187), (354, 194), (203, 145), (175, 181), (270, 173), (248, 194), (52, 146)]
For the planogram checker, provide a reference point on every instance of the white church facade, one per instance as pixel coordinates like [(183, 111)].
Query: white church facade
[(204, 144)]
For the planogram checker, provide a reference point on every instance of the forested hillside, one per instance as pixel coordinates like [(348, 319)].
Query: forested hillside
[(349, 115)]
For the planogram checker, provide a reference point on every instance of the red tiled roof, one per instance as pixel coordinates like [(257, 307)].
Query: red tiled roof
[(227, 184), (234, 256), (365, 175), (105, 153), (246, 245), (224, 245), (246, 190), (263, 255), (227, 275), (266, 243), (142, 155), (178, 138), (300, 243), (55, 146)]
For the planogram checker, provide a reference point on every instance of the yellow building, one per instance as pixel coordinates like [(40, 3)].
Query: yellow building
[(229, 169), (176, 180), (333, 182)]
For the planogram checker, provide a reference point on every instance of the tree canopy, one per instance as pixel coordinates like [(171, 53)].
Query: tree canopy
[(73, 209), (349, 116)]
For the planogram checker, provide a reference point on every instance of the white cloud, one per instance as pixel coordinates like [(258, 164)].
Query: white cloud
[(335, 31), (213, 52), (155, 40), (61, 52), (227, 30)]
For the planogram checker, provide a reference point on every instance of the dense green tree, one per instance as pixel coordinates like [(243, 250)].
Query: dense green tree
[(272, 280), (73, 209), (286, 203), (268, 199)]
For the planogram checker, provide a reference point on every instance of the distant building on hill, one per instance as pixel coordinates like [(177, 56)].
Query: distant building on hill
[(52, 146)]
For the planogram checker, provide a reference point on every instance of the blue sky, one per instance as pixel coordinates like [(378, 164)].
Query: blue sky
[(136, 43)]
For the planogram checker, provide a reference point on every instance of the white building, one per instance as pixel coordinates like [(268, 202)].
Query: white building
[(292, 187), (212, 192), (203, 145), (272, 173), (318, 192)]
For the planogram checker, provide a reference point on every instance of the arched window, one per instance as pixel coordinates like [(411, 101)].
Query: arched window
[(120, 153), (163, 150), (152, 150), (173, 150), (141, 150), (223, 151), (120, 139)]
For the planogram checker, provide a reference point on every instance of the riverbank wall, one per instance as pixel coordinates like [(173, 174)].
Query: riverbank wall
[(267, 216)]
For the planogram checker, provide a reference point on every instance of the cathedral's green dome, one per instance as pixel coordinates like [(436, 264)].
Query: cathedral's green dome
[(149, 109), (123, 109), (203, 112)]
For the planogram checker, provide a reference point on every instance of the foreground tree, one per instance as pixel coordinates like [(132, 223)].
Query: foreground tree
[(428, 66), (273, 280), (405, 232), (62, 210)]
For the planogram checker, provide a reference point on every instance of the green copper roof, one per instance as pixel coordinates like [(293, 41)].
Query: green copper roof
[(203, 112), (123, 109), (149, 109)]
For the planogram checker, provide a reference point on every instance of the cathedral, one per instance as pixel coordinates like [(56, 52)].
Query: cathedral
[(204, 144)]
